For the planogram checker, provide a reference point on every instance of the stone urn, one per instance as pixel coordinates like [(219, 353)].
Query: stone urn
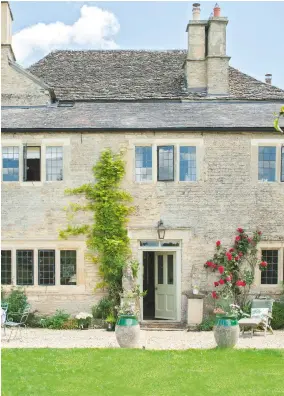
[(226, 331), (127, 331)]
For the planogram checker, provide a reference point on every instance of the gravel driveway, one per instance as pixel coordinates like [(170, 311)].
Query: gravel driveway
[(43, 338)]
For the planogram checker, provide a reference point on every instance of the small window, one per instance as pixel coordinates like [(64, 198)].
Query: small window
[(25, 267), (170, 269), (267, 163), (270, 275), (165, 163), (54, 163), (143, 163), (282, 163), (6, 267), (10, 157), (68, 267), (160, 270), (46, 267), (149, 243), (187, 163), (31, 163)]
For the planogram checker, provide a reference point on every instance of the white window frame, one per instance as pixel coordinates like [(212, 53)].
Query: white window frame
[(42, 143), (266, 245), (273, 142), (154, 143), (79, 247)]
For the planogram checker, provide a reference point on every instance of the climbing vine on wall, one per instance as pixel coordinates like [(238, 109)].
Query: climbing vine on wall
[(276, 120), (107, 237)]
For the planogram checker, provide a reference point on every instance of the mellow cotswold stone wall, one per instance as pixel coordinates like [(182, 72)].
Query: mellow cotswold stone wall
[(228, 195), (16, 88)]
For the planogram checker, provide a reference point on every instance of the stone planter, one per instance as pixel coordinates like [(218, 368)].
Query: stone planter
[(226, 331), (127, 331)]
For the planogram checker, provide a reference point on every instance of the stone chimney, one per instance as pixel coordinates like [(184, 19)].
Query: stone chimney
[(195, 67), (268, 78), (207, 65), (6, 29)]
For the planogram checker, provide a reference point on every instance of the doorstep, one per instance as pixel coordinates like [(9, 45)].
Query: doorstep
[(162, 325)]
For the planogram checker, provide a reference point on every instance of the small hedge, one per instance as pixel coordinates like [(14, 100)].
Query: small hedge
[(278, 316)]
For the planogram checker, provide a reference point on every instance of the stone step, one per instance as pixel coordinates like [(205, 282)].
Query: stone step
[(159, 325)]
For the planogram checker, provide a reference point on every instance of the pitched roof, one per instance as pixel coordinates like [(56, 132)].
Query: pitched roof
[(148, 116), (134, 75)]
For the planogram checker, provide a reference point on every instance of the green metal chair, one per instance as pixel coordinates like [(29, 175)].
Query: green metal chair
[(4, 310), (18, 326), (261, 315)]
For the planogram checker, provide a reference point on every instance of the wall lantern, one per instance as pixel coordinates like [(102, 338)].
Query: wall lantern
[(161, 229)]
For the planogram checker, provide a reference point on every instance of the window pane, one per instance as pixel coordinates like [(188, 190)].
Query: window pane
[(270, 275), (10, 164), (6, 267), (160, 270), (187, 163), (25, 267), (170, 243), (282, 163), (170, 269), (54, 163), (143, 163), (46, 267), (267, 163), (68, 267), (166, 163), (32, 163), (149, 243)]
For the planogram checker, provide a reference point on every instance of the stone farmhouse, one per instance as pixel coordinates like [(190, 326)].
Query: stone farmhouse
[(202, 158)]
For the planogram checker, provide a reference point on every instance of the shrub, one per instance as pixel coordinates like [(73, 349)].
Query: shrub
[(34, 320), (70, 324), (17, 301), (207, 324), (56, 321), (104, 308), (278, 316)]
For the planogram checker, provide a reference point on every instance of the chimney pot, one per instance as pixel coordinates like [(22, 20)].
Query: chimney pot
[(217, 10), (196, 11), (268, 78)]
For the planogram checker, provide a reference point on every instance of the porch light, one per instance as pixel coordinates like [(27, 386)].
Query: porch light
[(161, 229)]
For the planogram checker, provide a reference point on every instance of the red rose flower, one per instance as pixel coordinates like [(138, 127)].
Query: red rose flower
[(228, 279), (237, 258), (221, 269), (215, 266), (263, 264), (231, 250), (240, 254), (240, 283), (221, 281), (238, 238), (216, 284), (240, 230), (218, 243), (259, 233), (229, 256), (249, 240), (214, 295)]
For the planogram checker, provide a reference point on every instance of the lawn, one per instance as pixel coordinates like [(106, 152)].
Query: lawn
[(104, 372)]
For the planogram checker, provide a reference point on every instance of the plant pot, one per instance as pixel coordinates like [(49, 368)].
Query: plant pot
[(226, 331), (127, 331)]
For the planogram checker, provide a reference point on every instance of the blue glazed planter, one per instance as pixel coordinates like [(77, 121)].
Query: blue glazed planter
[(226, 331)]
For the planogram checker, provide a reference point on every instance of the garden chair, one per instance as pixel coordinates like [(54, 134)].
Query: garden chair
[(4, 310), (17, 325), (260, 317)]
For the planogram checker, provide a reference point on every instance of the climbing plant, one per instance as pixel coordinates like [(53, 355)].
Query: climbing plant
[(276, 120), (106, 236), (235, 267)]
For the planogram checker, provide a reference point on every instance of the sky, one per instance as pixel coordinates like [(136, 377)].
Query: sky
[(254, 32)]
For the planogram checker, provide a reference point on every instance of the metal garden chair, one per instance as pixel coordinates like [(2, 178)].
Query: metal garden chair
[(18, 326), (4, 310), (260, 317)]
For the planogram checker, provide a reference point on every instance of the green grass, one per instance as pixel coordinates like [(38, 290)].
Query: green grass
[(103, 372)]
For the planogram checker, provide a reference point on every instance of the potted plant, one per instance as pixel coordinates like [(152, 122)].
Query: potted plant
[(127, 329), (110, 321), (226, 329), (84, 320)]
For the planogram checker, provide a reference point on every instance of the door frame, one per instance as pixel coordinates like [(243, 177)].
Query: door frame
[(177, 251)]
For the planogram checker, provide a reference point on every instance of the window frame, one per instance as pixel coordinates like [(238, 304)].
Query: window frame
[(68, 250), (152, 167), (2, 267), (270, 245), (268, 142), (158, 163), (33, 267), (46, 168), (25, 159), (275, 161), (282, 164), (2, 159), (179, 167)]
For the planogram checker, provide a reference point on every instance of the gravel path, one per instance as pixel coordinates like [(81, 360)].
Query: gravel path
[(43, 338)]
